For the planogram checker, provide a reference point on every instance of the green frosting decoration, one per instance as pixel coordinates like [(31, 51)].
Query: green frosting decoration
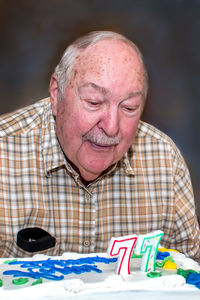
[(20, 281), (161, 264), (9, 261), (185, 273), (136, 255), (1, 282), (37, 281), (154, 274)]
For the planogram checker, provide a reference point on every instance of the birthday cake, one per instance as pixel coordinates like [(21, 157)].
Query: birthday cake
[(124, 271)]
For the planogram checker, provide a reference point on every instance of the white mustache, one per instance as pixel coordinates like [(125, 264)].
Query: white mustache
[(101, 139)]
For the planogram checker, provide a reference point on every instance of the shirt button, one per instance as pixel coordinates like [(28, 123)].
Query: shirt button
[(86, 243), (87, 197)]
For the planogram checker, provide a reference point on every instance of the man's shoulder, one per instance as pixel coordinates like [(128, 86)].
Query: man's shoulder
[(25, 119), (150, 132), (149, 138), (150, 144)]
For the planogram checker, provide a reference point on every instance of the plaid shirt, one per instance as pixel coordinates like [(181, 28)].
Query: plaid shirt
[(147, 190)]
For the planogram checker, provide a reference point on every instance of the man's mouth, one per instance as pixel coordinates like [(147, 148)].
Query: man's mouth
[(100, 147)]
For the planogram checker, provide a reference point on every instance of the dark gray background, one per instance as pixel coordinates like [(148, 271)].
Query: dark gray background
[(34, 34)]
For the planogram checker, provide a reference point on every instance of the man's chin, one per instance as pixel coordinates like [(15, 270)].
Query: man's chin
[(92, 163)]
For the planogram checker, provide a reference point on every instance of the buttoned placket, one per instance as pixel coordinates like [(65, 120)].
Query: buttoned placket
[(87, 217), (87, 212)]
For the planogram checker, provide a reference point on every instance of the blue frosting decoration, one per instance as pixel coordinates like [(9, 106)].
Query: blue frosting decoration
[(162, 255), (47, 268), (194, 278)]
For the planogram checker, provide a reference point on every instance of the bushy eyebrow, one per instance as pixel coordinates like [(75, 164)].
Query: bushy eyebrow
[(133, 95)]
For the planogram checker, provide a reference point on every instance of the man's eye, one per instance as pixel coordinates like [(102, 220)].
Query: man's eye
[(129, 109), (93, 103)]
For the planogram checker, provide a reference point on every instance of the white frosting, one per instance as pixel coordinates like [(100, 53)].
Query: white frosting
[(173, 281), (106, 285), (184, 262)]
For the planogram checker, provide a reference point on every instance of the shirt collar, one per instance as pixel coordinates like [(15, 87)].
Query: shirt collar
[(52, 154), (128, 168)]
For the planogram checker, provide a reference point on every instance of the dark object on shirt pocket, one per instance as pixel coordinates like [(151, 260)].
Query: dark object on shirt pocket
[(35, 239)]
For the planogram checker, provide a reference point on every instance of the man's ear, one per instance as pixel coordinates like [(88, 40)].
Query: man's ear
[(54, 93)]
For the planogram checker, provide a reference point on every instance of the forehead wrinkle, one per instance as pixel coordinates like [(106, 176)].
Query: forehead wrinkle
[(99, 88), (104, 91)]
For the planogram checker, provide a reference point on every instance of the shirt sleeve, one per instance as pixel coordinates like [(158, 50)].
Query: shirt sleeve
[(186, 232)]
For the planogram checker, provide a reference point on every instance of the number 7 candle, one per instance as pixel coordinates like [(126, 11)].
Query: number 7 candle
[(123, 248), (147, 244)]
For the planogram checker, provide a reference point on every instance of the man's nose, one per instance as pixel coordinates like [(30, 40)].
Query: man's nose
[(110, 122)]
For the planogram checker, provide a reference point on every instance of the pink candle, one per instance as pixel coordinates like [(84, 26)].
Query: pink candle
[(123, 248)]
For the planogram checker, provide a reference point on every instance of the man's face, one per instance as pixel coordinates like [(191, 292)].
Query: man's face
[(97, 120)]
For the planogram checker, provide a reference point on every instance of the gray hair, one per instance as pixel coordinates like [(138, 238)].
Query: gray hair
[(65, 66)]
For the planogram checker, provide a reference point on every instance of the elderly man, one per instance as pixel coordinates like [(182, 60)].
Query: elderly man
[(84, 168)]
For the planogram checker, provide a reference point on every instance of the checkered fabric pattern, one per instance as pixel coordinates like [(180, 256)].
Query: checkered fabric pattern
[(148, 189)]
